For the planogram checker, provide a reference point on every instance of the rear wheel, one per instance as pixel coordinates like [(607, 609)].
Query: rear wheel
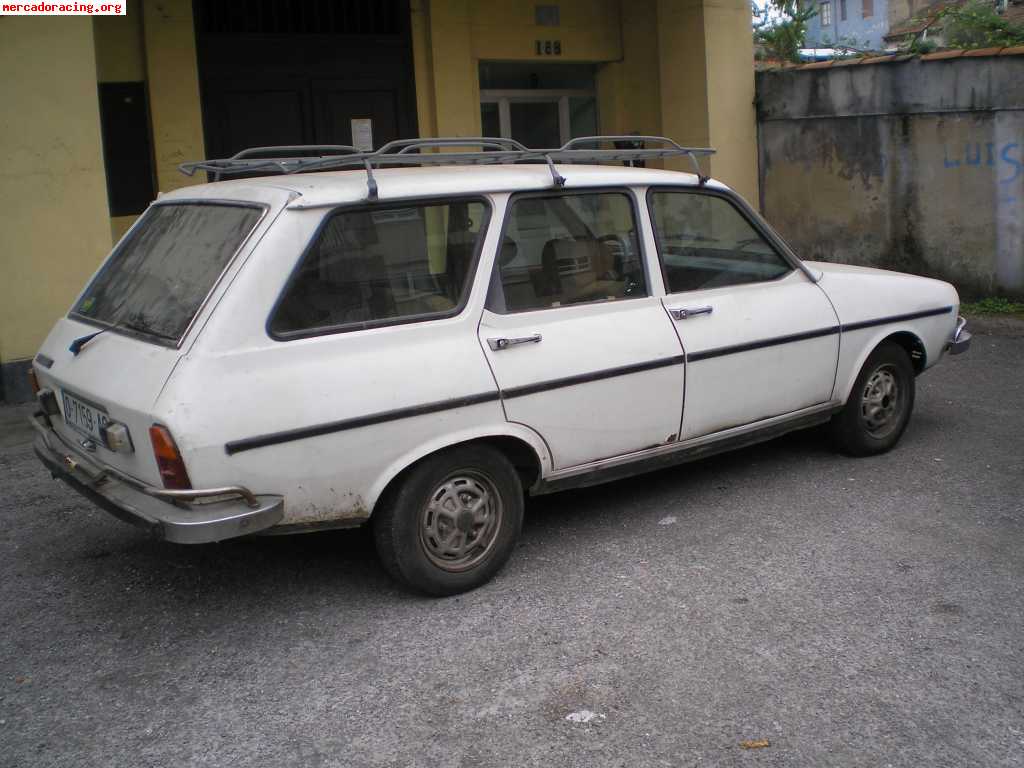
[(879, 405), (452, 522)]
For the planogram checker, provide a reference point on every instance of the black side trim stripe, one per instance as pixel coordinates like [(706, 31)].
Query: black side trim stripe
[(289, 435), (586, 378), (751, 345), (897, 318)]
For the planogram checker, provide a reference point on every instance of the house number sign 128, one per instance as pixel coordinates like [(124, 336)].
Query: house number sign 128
[(548, 47)]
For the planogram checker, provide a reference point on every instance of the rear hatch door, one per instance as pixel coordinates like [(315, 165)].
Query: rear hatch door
[(133, 321)]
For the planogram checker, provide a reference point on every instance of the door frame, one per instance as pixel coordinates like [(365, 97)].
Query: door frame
[(505, 97)]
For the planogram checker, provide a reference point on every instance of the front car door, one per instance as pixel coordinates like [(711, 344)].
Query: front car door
[(581, 350), (760, 338)]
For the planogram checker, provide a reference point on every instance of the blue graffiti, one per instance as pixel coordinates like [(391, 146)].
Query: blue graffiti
[(1008, 158), (1017, 164), (978, 154)]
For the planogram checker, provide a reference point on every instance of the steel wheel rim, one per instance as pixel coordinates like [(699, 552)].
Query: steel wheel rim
[(881, 404), (461, 520)]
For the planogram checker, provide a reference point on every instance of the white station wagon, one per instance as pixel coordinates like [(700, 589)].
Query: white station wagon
[(418, 347)]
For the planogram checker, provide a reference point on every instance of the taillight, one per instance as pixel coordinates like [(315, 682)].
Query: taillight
[(168, 460), (33, 381)]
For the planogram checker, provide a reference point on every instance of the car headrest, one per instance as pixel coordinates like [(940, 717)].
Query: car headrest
[(509, 251)]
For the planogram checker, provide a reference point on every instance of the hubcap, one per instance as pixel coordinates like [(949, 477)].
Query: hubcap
[(460, 521), (881, 404)]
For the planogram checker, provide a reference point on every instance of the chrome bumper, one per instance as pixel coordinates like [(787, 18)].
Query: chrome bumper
[(185, 517), (961, 340)]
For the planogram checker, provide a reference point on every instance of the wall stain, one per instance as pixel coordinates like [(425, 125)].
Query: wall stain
[(917, 167)]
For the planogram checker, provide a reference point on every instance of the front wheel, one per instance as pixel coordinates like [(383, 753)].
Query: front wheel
[(451, 523), (879, 405)]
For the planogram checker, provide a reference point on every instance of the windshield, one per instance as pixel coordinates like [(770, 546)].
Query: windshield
[(160, 274)]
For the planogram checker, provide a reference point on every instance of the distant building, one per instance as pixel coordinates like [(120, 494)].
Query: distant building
[(877, 25), (911, 20), (858, 24)]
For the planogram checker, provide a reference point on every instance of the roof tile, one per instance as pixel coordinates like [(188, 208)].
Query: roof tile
[(1016, 50), (955, 54), (878, 59), (984, 51), (818, 65)]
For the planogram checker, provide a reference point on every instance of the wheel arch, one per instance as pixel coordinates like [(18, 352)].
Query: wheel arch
[(523, 447), (906, 338)]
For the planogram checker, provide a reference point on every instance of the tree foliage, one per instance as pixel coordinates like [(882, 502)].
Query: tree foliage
[(977, 25), (782, 27)]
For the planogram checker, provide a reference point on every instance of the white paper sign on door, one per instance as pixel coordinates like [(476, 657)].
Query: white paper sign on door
[(362, 134)]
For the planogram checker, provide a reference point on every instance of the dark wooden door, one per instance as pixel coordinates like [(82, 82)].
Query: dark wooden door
[(337, 103), (300, 73)]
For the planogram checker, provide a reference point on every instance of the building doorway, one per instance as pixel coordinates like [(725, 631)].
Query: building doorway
[(274, 72), (539, 105)]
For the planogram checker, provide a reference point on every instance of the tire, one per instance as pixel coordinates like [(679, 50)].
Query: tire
[(879, 406), (426, 532)]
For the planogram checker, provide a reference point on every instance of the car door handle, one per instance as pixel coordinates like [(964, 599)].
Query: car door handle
[(681, 313), (502, 343)]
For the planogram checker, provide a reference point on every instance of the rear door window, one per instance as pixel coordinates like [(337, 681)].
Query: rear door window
[(567, 249), (155, 282), (383, 265), (705, 242)]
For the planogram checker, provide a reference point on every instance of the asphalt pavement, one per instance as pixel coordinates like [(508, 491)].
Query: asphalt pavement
[(778, 606)]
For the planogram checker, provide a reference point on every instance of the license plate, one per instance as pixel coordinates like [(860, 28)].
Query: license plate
[(82, 416)]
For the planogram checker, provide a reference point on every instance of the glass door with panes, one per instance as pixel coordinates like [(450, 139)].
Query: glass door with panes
[(541, 106)]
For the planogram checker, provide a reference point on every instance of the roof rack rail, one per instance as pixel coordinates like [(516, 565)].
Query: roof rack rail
[(304, 158)]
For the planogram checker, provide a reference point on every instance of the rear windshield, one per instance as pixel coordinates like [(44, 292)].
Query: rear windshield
[(159, 276)]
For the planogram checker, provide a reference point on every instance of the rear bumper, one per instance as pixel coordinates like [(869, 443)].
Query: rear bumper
[(192, 517), (961, 340)]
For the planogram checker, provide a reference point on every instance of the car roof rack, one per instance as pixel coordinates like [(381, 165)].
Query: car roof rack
[(586, 149)]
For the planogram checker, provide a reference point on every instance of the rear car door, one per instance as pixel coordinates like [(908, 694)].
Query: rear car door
[(581, 351), (760, 338)]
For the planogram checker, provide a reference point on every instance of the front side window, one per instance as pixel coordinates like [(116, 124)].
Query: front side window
[(567, 249), (825, 11), (705, 242), (160, 274), (372, 267)]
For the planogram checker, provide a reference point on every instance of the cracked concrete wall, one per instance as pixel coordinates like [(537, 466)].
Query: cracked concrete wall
[(916, 166)]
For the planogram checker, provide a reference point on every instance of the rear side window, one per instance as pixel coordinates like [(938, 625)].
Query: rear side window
[(705, 242), (372, 267), (159, 276), (567, 249)]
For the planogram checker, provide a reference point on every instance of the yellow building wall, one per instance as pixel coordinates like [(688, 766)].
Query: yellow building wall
[(54, 221), (679, 68), (120, 56), (628, 89), (451, 37), (707, 86), (730, 78), (423, 66), (173, 81), (504, 30)]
